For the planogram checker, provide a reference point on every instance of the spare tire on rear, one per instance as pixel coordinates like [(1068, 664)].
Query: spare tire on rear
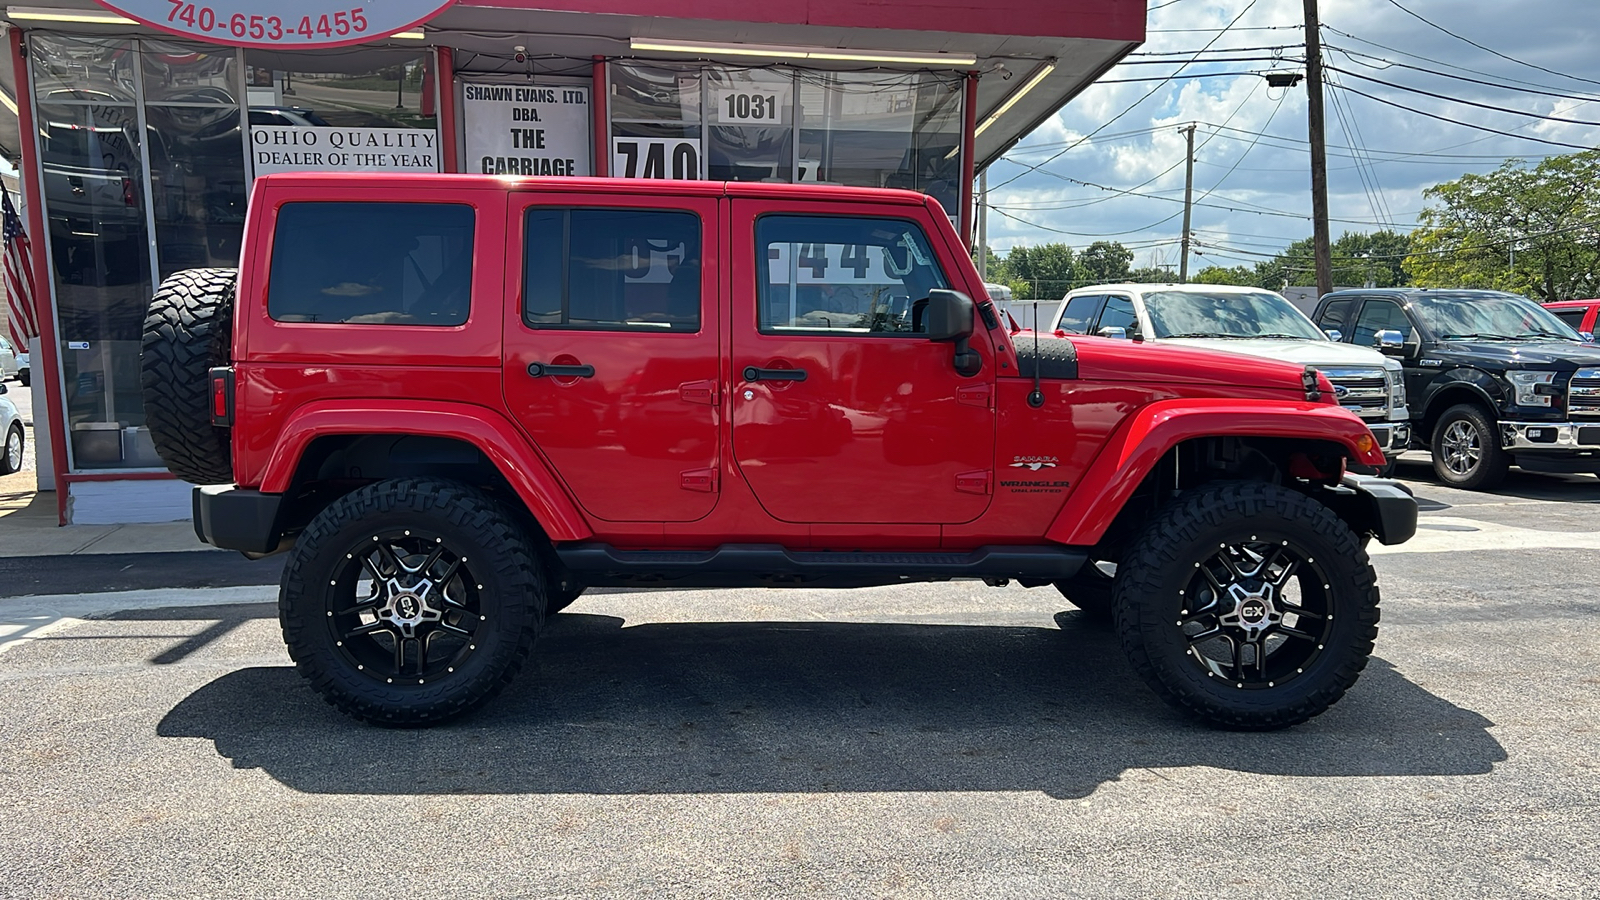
[(188, 330)]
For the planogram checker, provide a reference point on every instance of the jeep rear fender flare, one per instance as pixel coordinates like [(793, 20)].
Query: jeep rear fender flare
[(1147, 435), (485, 429)]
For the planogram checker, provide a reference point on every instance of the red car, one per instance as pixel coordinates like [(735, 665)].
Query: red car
[(1580, 314), (457, 401)]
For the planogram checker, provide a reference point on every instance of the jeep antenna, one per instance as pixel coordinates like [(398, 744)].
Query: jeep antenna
[(1036, 399)]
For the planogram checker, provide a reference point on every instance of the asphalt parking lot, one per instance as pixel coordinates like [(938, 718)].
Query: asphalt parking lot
[(947, 740)]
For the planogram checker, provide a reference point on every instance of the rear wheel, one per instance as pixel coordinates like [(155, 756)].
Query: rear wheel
[(411, 602), (25, 376), (1248, 605), (1466, 449)]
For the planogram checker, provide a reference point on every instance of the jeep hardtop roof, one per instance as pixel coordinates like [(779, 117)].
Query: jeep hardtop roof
[(631, 186)]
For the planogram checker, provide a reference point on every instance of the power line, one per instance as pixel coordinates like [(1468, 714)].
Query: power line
[(1446, 97), (1520, 137), (1356, 56), (1437, 62), (1489, 50), (1152, 93)]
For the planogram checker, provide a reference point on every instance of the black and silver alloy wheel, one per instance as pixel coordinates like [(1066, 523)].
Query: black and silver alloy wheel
[(1466, 449), (1256, 614), (411, 602), (1461, 448), (413, 608), (1246, 604)]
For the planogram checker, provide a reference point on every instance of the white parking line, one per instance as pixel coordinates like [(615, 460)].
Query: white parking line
[(30, 618), (1441, 534)]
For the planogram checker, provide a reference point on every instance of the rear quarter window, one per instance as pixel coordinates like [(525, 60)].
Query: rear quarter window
[(372, 263)]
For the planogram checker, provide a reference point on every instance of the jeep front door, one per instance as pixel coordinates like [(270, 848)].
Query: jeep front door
[(843, 410), (611, 348)]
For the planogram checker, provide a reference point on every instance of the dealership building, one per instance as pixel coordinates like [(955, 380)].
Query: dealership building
[(137, 127)]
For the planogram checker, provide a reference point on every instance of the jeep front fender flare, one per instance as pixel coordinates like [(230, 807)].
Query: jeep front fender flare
[(486, 430), (1147, 435)]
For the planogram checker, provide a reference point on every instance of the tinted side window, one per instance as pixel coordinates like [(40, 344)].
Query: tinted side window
[(1118, 314), (612, 269), (835, 273), (1334, 315), (1079, 312), (1380, 315), (1573, 317), (372, 263)]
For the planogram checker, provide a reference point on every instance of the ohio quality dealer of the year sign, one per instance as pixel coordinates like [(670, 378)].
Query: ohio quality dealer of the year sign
[(280, 23)]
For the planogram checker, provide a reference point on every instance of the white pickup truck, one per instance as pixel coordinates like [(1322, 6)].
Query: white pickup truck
[(1252, 321)]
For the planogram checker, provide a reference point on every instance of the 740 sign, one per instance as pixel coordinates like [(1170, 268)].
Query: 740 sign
[(280, 23)]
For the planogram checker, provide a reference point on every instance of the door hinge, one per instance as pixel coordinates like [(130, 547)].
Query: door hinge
[(973, 482), (703, 392), (701, 480), (973, 395)]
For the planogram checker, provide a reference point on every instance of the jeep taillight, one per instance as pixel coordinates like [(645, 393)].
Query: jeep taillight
[(221, 379)]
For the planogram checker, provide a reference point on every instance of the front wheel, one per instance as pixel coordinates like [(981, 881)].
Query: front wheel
[(1248, 605), (1466, 449), (411, 602)]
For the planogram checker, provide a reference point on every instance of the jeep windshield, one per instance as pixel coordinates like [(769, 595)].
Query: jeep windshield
[(1489, 317), (1227, 314)]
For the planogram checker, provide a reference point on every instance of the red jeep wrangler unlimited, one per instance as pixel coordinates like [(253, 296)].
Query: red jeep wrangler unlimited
[(457, 401)]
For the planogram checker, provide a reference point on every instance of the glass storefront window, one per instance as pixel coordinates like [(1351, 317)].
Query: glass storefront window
[(94, 191), (387, 90), (82, 68), (900, 130), (181, 73), (198, 186)]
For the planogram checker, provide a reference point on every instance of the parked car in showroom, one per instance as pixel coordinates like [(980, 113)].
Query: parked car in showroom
[(1495, 378), (1255, 322)]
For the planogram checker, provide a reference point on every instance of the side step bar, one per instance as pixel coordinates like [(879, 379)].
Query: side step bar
[(771, 565)]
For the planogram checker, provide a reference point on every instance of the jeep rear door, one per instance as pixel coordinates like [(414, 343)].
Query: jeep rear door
[(611, 346), (842, 412)]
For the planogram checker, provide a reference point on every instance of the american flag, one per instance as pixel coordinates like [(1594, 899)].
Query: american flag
[(19, 279)]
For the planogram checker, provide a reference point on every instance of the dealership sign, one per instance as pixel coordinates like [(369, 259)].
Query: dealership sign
[(280, 23), (294, 148), (526, 129)]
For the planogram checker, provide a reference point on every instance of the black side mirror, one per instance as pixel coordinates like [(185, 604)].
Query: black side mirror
[(950, 320)]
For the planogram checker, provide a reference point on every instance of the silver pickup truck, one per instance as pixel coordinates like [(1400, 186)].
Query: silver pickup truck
[(1252, 321)]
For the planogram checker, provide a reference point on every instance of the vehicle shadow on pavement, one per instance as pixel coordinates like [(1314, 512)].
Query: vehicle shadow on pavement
[(712, 707)]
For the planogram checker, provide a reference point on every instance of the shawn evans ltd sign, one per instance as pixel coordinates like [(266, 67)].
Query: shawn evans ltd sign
[(280, 23), (526, 129), (298, 148)]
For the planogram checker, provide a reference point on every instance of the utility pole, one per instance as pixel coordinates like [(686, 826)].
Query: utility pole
[(1319, 152), (1188, 198), (983, 224)]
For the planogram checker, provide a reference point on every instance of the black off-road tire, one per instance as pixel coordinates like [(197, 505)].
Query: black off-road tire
[(187, 331), (1155, 585), (1090, 591), (1492, 461), (502, 577)]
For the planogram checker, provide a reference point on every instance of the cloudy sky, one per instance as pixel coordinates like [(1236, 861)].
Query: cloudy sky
[(1251, 172)]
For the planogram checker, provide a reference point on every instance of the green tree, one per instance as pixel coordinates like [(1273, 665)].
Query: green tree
[(1047, 269), (1530, 230), (1104, 262), (1243, 276)]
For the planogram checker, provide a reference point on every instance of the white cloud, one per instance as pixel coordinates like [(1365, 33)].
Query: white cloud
[(1264, 202)]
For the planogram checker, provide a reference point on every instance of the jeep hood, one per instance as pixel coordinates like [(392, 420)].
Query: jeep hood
[(1322, 354), (1516, 354), (1106, 359)]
